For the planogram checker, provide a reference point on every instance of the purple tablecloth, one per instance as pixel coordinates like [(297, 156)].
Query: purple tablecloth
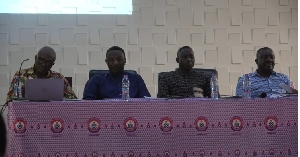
[(150, 127)]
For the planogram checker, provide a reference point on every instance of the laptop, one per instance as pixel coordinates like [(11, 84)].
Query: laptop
[(44, 89)]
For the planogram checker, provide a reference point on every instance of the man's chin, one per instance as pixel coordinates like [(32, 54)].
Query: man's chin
[(270, 69), (41, 71), (188, 67), (116, 71)]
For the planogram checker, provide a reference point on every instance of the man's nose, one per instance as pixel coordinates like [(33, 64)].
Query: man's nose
[(44, 64), (189, 59), (269, 59), (115, 62)]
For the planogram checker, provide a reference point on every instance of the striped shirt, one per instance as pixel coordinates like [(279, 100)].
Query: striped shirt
[(268, 85)]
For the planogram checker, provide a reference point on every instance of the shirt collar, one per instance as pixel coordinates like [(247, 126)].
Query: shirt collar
[(180, 74), (256, 73), (118, 76)]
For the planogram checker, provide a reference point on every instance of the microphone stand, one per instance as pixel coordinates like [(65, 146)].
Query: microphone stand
[(18, 81)]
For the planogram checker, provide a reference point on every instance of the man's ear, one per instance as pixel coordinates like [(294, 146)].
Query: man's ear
[(255, 61), (106, 60), (177, 60), (125, 60)]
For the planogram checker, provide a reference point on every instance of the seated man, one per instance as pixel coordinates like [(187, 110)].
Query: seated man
[(265, 81), (44, 61), (109, 85), (184, 82)]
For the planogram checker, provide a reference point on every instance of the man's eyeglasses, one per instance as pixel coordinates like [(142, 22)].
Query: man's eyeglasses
[(42, 61)]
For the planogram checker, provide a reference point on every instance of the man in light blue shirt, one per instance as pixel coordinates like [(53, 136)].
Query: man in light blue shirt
[(265, 81)]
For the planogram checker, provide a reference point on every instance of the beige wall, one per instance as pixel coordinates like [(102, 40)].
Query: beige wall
[(225, 34)]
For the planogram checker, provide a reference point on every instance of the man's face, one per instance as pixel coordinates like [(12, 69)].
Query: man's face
[(266, 60), (186, 59), (44, 62), (115, 61)]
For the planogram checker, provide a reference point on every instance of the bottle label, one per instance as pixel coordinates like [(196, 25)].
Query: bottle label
[(125, 92)]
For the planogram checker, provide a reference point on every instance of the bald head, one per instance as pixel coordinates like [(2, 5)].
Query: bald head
[(44, 61), (47, 52)]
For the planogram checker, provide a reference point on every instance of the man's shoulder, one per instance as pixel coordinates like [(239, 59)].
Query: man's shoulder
[(281, 75), (168, 74), (56, 74), (253, 74), (134, 75), (100, 76), (23, 71), (198, 74)]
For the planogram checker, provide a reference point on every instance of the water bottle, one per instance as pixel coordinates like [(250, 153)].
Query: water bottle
[(214, 87), (292, 84), (17, 85), (15, 89), (247, 86), (125, 88)]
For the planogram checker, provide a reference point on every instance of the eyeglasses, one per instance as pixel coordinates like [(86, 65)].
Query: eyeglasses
[(42, 61)]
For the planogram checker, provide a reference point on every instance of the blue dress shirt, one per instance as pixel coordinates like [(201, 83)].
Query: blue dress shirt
[(260, 84), (109, 86)]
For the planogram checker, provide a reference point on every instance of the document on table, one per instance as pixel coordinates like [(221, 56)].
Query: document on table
[(288, 88)]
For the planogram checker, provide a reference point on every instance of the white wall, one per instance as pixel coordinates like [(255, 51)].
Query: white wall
[(225, 34)]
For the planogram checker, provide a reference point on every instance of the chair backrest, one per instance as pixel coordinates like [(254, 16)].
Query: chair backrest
[(160, 75), (207, 72), (97, 72), (69, 79)]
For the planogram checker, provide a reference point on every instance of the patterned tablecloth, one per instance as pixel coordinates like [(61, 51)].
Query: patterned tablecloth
[(154, 127)]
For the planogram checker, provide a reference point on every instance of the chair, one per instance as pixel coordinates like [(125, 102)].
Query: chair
[(69, 79), (207, 72)]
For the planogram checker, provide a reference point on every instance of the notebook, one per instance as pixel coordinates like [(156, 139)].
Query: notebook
[(44, 89), (288, 88)]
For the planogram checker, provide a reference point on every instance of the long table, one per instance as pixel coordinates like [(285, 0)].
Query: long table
[(154, 127)]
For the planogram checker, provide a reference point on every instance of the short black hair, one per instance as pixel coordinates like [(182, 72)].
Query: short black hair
[(3, 135), (115, 48), (262, 50), (182, 48)]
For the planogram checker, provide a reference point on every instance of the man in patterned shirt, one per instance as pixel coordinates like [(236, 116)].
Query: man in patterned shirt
[(44, 61), (184, 82), (265, 80)]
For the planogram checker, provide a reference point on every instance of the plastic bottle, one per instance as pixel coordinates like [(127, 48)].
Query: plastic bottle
[(125, 88), (247, 86), (214, 87)]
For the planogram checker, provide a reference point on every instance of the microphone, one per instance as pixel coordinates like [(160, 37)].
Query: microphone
[(18, 81), (263, 95)]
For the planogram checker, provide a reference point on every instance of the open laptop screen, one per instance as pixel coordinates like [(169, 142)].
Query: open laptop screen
[(44, 89)]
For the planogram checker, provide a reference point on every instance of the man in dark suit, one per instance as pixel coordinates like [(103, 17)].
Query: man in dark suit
[(109, 85)]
